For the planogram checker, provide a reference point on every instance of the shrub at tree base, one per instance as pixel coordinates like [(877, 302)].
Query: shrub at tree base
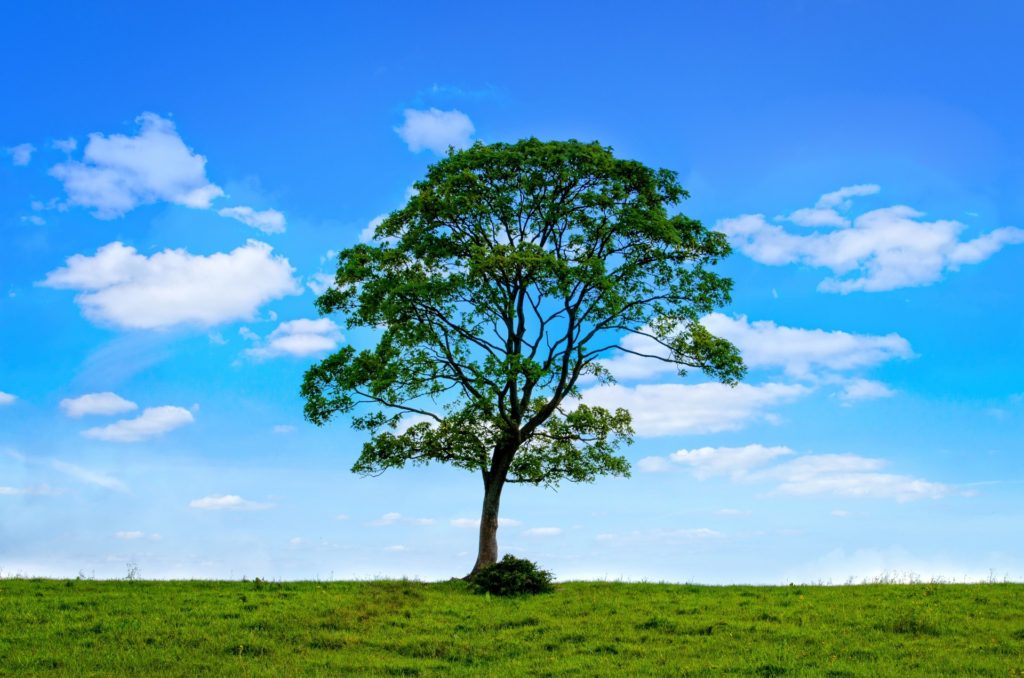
[(512, 576)]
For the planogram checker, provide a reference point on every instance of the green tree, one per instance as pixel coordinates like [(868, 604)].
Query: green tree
[(499, 286)]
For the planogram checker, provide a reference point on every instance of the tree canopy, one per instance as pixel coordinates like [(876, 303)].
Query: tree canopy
[(496, 291)]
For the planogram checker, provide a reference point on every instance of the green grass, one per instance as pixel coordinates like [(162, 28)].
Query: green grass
[(401, 628)]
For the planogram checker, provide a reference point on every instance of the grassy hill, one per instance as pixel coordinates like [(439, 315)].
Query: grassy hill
[(402, 628)]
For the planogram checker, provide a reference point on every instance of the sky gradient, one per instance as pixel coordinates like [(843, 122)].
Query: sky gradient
[(177, 180)]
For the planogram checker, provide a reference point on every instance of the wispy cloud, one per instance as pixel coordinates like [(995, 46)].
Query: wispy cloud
[(227, 502), (864, 389), (393, 517), (96, 403), (826, 211), (153, 422), (661, 535), (88, 476), (21, 154), (35, 491), (269, 221)]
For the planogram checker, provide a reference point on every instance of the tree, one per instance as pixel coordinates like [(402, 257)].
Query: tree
[(502, 283)]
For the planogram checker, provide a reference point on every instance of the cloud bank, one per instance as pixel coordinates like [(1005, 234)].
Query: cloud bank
[(882, 249), (674, 409), (844, 475), (118, 173), (120, 287)]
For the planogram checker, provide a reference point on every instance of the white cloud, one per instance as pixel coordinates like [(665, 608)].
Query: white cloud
[(6, 399), (88, 476), (153, 421), (671, 409), (411, 420), (475, 522), (397, 548), (653, 465), (366, 235), (844, 475), (736, 462), (118, 173), (542, 532), (283, 428), (301, 338), (841, 198), (799, 352), (21, 154), (435, 130), (849, 475), (763, 344), (320, 282), (130, 534), (96, 403), (864, 389), (824, 212), (883, 249), (120, 287), (268, 221), (227, 502), (66, 145), (34, 219)]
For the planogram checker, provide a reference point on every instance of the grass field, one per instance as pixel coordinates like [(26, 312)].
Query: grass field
[(402, 628)]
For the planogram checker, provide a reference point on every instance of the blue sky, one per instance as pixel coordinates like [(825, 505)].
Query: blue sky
[(175, 182)]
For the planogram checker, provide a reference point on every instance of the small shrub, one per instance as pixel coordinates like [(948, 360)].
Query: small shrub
[(512, 576)]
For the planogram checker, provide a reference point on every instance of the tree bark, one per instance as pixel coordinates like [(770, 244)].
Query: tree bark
[(488, 551)]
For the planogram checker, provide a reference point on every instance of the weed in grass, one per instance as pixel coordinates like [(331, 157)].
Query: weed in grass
[(909, 623), (657, 623)]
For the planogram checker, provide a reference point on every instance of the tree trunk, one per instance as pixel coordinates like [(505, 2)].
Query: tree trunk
[(488, 551)]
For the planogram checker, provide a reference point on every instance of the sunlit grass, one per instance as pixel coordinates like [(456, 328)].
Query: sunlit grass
[(391, 628)]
